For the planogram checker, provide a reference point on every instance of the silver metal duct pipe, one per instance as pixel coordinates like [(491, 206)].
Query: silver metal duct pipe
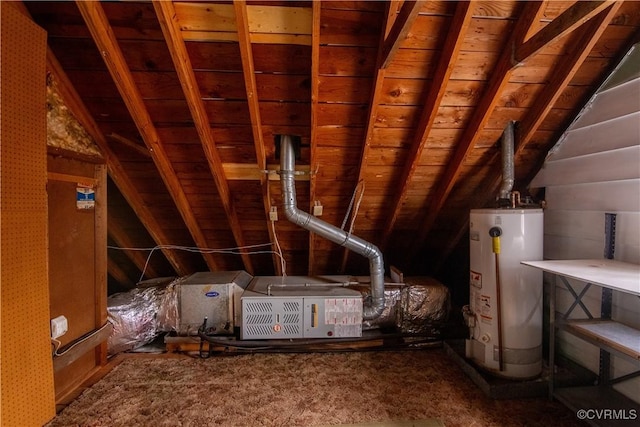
[(508, 175), (330, 232)]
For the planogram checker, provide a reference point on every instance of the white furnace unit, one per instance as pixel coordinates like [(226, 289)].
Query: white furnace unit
[(301, 307), (505, 299)]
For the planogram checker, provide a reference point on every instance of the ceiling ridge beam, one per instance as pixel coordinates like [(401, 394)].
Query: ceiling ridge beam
[(313, 157), (448, 57), (565, 23), (171, 29), (116, 170), (102, 34), (499, 78), (251, 87)]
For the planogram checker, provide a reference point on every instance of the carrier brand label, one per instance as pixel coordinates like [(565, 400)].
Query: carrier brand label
[(212, 294)]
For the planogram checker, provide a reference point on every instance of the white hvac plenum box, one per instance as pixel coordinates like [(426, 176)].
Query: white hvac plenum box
[(214, 295)]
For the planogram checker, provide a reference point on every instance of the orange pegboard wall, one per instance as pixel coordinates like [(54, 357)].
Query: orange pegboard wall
[(26, 368)]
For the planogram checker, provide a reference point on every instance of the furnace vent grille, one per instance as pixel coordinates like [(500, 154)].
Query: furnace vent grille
[(259, 307), (276, 318), (291, 306), (259, 319)]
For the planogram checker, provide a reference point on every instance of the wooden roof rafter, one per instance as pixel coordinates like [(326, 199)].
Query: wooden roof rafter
[(592, 28), (102, 34), (171, 29), (568, 67), (122, 239), (315, 79), (396, 27), (499, 78), (251, 87), (129, 143), (116, 170), (568, 21), (448, 57), (118, 273), (399, 30)]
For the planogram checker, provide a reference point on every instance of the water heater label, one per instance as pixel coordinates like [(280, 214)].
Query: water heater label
[(475, 279), (485, 309), (212, 294)]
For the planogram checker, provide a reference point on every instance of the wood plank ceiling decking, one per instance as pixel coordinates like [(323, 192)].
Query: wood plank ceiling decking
[(399, 107)]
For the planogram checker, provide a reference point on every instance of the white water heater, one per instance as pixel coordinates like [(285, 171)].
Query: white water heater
[(505, 299)]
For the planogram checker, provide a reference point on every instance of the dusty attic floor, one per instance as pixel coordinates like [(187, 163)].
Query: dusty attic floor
[(304, 389)]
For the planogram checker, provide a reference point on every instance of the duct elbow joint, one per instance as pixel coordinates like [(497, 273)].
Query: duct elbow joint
[(374, 310)]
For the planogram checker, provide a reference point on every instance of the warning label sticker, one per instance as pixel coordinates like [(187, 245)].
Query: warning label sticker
[(342, 311), (475, 279), (345, 314), (85, 197), (485, 309)]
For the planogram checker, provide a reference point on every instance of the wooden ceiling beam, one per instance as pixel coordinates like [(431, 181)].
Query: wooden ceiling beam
[(590, 33), (565, 23), (448, 57), (374, 103), (401, 27), (122, 239), (569, 65), (171, 30), (102, 34), (315, 82), (251, 87), (529, 17), (116, 171), (129, 143), (248, 68), (118, 274)]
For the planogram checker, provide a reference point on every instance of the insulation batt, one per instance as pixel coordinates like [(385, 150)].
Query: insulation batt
[(140, 314)]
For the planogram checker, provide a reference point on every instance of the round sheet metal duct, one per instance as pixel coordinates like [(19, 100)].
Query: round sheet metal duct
[(330, 232)]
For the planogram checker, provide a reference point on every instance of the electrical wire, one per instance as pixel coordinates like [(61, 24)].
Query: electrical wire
[(356, 209), (283, 262), (80, 341), (359, 188), (229, 251)]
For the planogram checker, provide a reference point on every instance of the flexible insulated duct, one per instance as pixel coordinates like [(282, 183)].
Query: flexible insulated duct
[(508, 175), (330, 232)]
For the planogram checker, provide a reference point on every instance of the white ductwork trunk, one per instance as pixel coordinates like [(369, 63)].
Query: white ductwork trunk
[(330, 232)]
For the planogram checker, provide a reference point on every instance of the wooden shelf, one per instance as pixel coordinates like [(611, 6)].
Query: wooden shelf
[(616, 336), (616, 275), (601, 405)]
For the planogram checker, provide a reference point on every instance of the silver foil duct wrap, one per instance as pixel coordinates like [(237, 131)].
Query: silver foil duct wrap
[(389, 316), (140, 314), (424, 306), (419, 306)]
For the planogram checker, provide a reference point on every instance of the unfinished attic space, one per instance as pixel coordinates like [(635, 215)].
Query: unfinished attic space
[(314, 213)]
